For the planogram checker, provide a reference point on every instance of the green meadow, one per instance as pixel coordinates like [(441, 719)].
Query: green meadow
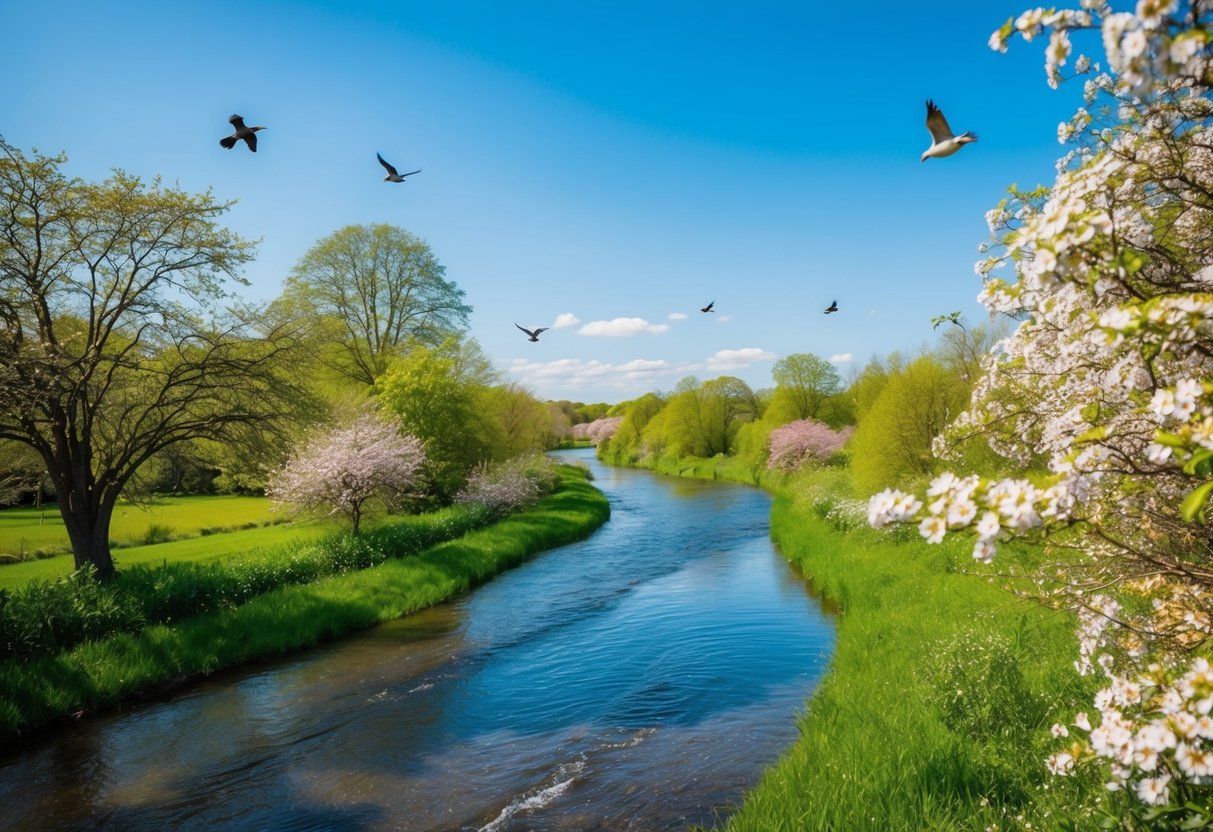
[(26, 530)]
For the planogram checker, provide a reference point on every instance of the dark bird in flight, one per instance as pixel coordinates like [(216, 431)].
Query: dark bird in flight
[(943, 143), (833, 307), (532, 334), (249, 134), (392, 175), (709, 308)]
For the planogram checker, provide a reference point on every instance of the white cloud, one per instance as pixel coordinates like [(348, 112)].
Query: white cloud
[(620, 327), (573, 372), (678, 316), (738, 359), (723, 319), (566, 320), (841, 358)]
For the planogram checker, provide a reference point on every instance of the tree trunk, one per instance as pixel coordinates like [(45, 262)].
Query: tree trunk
[(86, 516)]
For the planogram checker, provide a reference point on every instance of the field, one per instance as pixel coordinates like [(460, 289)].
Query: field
[(28, 530)]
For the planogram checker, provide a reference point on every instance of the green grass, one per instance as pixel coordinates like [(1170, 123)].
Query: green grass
[(936, 709), (106, 672), (26, 530), (228, 545)]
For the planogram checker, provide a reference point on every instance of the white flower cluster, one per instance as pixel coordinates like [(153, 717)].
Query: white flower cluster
[(988, 506), (1154, 730)]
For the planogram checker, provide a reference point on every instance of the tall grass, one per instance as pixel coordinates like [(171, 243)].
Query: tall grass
[(104, 672)]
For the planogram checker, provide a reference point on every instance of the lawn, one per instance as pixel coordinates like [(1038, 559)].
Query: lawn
[(193, 549), (25, 530)]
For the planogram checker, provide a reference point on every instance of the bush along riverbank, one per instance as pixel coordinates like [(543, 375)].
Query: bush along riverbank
[(937, 709), (101, 672)]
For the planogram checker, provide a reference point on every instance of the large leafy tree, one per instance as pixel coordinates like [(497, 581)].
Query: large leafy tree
[(441, 395), (805, 383), (374, 289), (114, 342)]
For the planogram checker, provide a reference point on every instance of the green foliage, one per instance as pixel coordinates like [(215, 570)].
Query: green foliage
[(372, 290), (892, 443), (627, 442), (804, 383), (441, 396)]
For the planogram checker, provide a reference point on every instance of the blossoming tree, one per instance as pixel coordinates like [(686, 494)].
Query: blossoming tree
[(1109, 378), (346, 469), (805, 440)]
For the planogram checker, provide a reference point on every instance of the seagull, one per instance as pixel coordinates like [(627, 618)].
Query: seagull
[(392, 175), (249, 134), (943, 143), (833, 307), (709, 308), (533, 333)]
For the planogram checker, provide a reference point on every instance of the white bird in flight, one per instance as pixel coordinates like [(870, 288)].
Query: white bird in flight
[(943, 143), (392, 175)]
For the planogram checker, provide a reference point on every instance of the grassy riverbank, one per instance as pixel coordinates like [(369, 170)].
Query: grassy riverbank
[(936, 711), (103, 673)]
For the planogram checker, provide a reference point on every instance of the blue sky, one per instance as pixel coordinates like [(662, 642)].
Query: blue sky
[(596, 160)]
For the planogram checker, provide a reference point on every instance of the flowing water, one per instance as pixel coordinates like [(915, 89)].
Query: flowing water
[(638, 680)]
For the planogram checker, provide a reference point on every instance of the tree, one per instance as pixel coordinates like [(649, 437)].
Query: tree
[(804, 383), (440, 394), (378, 288), (1109, 376), (893, 441), (702, 419), (797, 443), (347, 469), (114, 345)]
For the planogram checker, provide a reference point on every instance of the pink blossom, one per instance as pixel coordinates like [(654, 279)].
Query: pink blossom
[(802, 441), (340, 471)]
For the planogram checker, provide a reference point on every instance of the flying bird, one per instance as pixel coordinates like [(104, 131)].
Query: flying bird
[(249, 134), (943, 143), (833, 307), (533, 334), (709, 308), (392, 174)]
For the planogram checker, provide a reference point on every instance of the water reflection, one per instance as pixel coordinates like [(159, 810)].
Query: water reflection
[(638, 680)]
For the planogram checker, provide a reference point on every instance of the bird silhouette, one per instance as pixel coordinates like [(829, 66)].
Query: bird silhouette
[(943, 143), (833, 307), (532, 334), (709, 308), (249, 134), (392, 175)]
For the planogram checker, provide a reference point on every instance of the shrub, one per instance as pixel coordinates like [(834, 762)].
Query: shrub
[(509, 486), (803, 441)]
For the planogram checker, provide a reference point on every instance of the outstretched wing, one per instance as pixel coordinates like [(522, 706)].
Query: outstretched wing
[(410, 173), (527, 331), (250, 139), (391, 170), (237, 122), (937, 124), (541, 329)]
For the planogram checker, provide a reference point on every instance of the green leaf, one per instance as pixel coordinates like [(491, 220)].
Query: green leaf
[(1194, 504), (1200, 463), (1168, 439)]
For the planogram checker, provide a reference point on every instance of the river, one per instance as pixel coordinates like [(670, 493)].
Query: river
[(638, 680)]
